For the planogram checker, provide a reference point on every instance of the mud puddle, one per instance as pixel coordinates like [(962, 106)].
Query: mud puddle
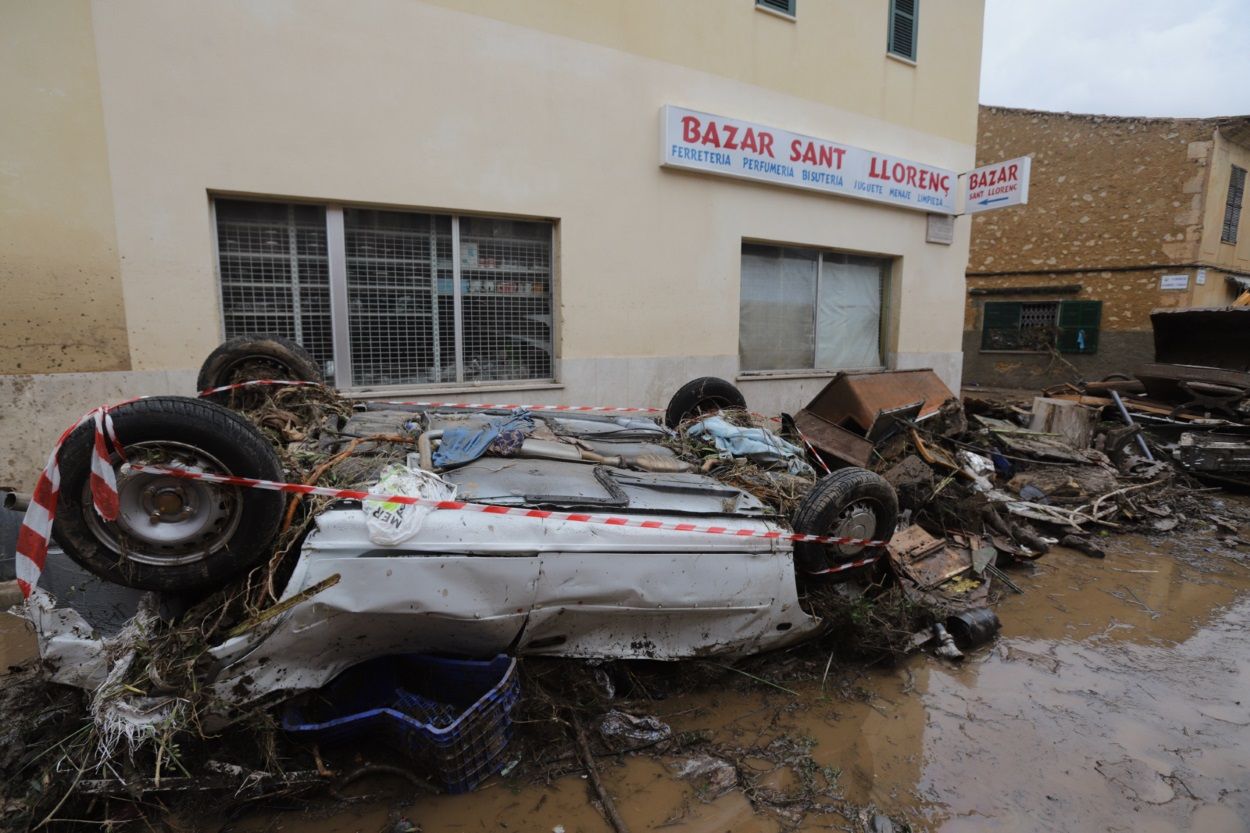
[(1117, 698)]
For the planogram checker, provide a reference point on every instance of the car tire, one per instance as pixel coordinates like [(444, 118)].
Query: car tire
[(850, 502), (250, 357), (701, 395), (172, 534)]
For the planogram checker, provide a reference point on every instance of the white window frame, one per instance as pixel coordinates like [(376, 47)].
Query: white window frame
[(888, 266)]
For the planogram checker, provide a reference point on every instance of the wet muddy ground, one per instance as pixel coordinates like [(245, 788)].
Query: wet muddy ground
[(1117, 698)]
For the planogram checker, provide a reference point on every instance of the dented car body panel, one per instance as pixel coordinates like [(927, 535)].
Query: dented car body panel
[(531, 588)]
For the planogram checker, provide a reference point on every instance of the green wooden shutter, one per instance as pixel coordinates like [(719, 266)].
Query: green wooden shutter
[(904, 15), (1000, 326), (1078, 326), (783, 6)]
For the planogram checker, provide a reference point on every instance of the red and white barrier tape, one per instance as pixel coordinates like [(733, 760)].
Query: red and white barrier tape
[(504, 407), (492, 509), (36, 530), (849, 565), (610, 409), (463, 405)]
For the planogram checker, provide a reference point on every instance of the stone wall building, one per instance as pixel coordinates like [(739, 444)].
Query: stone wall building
[(1125, 215)]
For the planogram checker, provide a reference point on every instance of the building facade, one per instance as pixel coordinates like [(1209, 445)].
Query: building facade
[(1125, 216), (494, 199)]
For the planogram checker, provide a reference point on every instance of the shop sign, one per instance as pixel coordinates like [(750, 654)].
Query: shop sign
[(731, 147), (998, 185)]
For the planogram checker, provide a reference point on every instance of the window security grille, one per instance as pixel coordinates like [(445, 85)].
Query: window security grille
[(429, 298), (275, 276), (401, 327), (783, 6), (505, 282), (904, 15), (1232, 208), (1037, 325)]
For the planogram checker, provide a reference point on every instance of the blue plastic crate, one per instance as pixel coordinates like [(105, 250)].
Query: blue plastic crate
[(450, 717)]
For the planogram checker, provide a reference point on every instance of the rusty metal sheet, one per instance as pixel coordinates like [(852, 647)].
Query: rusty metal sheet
[(855, 400), (832, 440), (928, 561)]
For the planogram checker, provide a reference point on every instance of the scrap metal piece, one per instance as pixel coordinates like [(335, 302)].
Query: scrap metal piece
[(833, 440), (1214, 453), (856, 400), (974, 627), (1128, 420), (855, 411), (889, 420), (1001, 576), (1210, 397), (926, 560)]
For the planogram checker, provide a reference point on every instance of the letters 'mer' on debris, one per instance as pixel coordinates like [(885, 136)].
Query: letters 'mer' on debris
[(998, 185)]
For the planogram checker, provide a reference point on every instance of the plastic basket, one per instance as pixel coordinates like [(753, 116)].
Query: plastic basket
[(450, 717)]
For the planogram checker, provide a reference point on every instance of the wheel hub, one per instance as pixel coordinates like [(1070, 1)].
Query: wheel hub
[(168, 520), (859, 520), (167, 504)]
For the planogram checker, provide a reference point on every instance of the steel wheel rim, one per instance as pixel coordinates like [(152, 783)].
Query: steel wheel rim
[(857, 520), (163, 520)]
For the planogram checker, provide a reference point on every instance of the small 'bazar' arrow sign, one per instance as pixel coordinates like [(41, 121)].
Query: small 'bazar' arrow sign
[(998, 185)]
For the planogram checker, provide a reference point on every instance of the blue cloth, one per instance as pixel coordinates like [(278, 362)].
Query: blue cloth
[(756, 444), (464, 445)]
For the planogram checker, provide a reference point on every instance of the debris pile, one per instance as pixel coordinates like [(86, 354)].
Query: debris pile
[(983, 487)]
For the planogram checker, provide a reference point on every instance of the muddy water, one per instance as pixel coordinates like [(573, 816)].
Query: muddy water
[(1117, 698)]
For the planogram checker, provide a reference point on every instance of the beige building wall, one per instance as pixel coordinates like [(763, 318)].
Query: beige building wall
[(1234, 257), (60, 280), (543, 109), (834, 53)]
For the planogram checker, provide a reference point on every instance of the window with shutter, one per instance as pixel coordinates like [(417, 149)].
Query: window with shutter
[(1041, 326), (903, 29), (1078, 326), (1232, 208), (786, 7), (1000, 325)]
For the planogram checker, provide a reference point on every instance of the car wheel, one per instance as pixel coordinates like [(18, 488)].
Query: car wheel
[(171, 533), (250, 357), (849, 503), (700, 396)]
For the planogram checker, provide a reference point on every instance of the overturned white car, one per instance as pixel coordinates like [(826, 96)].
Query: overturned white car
[(559, 581)]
